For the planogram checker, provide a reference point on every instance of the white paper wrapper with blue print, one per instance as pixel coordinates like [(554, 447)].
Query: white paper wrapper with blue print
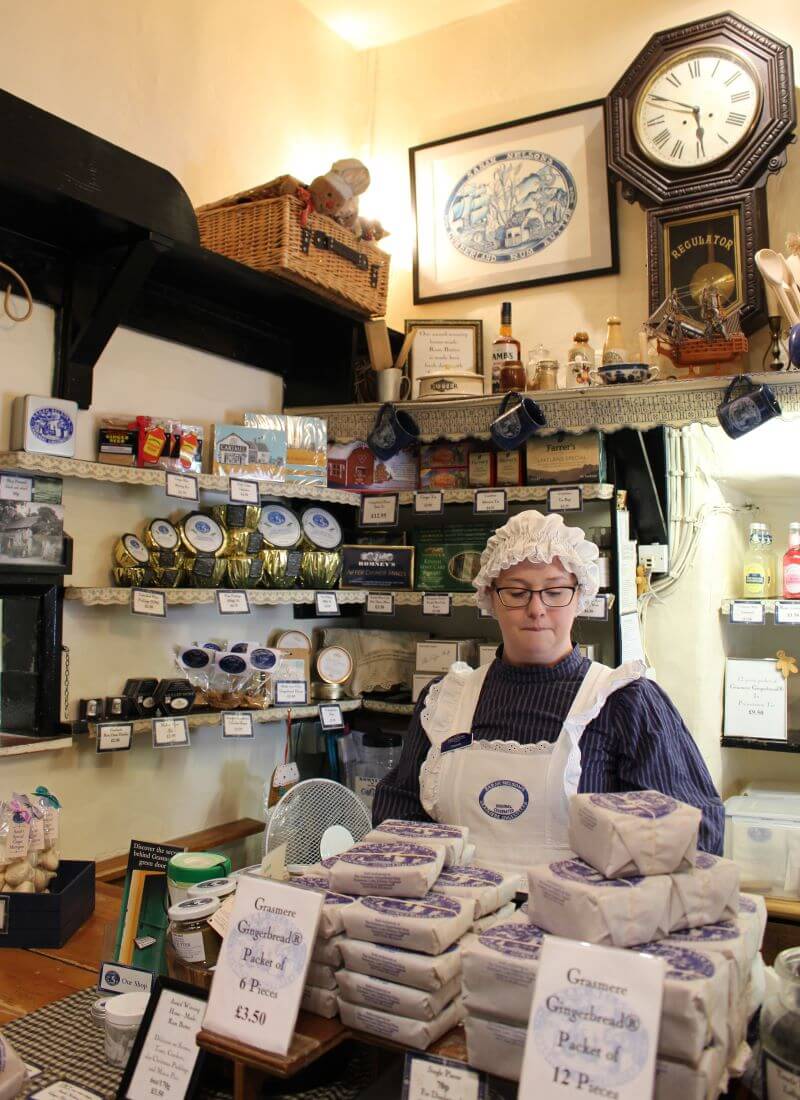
[(394, 964), (322, 869), (633, 833), (752, 916), (499, 971), (320, 975), (428, 924), (401, 1000), (399, 1029), (331, 921), (389, 869), (706, 894), (322, 1002), (499, 915), (569, 898), (694, 1009), (488, 889), (452, 838), (676, 1081), (328, 952)]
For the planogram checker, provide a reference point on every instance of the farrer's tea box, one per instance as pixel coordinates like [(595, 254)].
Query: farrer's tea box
[(447, 558), (444, 465), (564, 459)]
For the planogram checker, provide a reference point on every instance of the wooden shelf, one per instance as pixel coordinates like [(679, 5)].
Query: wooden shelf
[(517, 493), (784, 909), (269, 597), (12, 744), (213, 718)]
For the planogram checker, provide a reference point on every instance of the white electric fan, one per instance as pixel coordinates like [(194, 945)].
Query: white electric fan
[(315, 819)]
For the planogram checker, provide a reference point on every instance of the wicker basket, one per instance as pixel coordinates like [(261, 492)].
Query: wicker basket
[(265, 233)]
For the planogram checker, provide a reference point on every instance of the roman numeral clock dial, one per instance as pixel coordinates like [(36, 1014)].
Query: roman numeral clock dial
[(697, 107)]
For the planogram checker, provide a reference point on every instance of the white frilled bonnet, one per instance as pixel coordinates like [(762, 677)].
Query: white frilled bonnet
[(530, 536)]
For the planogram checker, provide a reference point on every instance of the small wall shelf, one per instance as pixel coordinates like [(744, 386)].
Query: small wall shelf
[(12, 744), (213, 718), (792, 745)]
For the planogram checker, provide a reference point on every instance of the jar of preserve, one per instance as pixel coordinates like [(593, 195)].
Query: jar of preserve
[(512, 377), (191, 937)]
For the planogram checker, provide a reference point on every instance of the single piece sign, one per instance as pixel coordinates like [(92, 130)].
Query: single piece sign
[(435, 604)]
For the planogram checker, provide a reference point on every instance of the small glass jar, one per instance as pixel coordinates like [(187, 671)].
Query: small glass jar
[(123, 1016), (780, 1030), (512, 377), (219, 888), (191, 937)]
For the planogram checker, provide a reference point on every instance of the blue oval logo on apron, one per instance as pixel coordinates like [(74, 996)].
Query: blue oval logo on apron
[(504, 799)]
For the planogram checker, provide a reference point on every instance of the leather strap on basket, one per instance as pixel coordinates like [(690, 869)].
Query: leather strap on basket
[(325, 243)]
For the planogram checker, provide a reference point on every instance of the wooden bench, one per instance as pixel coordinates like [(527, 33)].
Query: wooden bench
[(206, 840)]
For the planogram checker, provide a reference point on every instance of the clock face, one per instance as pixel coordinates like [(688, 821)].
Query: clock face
[(697, 107)]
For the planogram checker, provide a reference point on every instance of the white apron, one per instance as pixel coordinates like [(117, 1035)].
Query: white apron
[(513, 797)]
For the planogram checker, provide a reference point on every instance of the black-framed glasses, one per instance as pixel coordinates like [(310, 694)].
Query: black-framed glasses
[(517, 597)]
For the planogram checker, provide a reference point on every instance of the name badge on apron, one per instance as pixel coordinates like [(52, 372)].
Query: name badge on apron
[(456, 741)]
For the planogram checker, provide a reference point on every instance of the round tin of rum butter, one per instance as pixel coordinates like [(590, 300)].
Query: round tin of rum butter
[(280, 527), (321, 530), (130, 551), (160, 534), (202, 534), (334, 664)]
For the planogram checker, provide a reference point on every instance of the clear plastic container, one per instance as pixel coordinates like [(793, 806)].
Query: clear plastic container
[(123, 1016), (762, 835), (780, 1030), (378, 753)]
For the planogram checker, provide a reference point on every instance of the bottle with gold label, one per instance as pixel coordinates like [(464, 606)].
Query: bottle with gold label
[(506, 352), (614, 350)]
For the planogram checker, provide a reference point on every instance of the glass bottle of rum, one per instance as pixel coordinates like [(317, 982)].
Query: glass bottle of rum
[(791, 565), (505, 349)]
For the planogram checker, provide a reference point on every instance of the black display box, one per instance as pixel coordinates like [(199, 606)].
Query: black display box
[(48, 920)]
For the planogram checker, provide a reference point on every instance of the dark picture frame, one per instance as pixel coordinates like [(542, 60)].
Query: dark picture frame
[(491, 212), (741, 218)]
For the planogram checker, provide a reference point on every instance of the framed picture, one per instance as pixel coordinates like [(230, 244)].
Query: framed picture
[(445, 347), (710, 242), (521, 204)]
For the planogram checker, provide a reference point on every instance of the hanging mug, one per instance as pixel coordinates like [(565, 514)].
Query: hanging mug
[(513, 426), (746, 406), (393, 430)]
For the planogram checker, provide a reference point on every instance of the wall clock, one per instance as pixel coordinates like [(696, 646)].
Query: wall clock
[(709, 242), (704, 109)]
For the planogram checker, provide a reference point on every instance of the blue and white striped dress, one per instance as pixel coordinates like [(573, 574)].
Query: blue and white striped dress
[(637, 742)]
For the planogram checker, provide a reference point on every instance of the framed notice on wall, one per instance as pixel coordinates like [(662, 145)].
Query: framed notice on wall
[(755, 700)]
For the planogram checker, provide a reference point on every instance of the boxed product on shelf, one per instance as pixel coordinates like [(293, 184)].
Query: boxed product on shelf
[(306, 446), (447, 558), (251, 452), (564, 459), (31, 534), (444, 465), (419, 683), (43, 425), (118, 441), (482, 468), (377, 566), (486, 654), (438, 654), (509, 468), (353, 466)]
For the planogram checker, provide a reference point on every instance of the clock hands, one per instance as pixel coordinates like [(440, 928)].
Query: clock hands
[(686, 106)]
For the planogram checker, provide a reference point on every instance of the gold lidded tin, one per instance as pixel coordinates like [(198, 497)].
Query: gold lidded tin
[(237, 516), (160, 534), (204, 570), (245, 571), (334, 665), (280, 527), (203, 535), (131, 552), (281, 567), (323, 691), (321, 530), (241, 540), (320, 568), (293, 639)]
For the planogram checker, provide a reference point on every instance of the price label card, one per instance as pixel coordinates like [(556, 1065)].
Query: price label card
[(429, 503), (750, 612), (787, 612), (16, 488), (114, 736), (490, 502), (426, 1077), (237, 723), (262, 965), (593, 1027), (290, 693), (484, 614), (382, 510), (242, 491), (565, 500), (330, 716), (149, 601), (433, 604), (326, 603), (182, 486), (232, 603), (165, 1057), (380, 603), (596, 608), (170, 733)]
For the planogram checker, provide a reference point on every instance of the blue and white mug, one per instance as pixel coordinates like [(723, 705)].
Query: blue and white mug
[(393, 430), (513, 426), (746, 406)]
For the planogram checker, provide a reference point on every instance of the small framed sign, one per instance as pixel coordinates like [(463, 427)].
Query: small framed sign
[(379, 510), (427, 1077), (750, 612), (755, 700), (232, 603), (114, 736), (291, 693), (787, 612), (442, 348), (243, 491), (182, 486), (596, 608), (436, 604), (237, 723), (430, 502), (567, 499), (166, 1062), (380, 603), (487, 502), (16, 488), (116, 978), (149, 601), (170, 733), (330, 716), (326, 603)]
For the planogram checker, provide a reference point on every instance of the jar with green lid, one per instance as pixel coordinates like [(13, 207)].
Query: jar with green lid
[(185, 869), (191, 937), (219, 888)]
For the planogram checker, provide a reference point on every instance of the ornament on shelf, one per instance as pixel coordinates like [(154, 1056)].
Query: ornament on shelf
[(787, 664)]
